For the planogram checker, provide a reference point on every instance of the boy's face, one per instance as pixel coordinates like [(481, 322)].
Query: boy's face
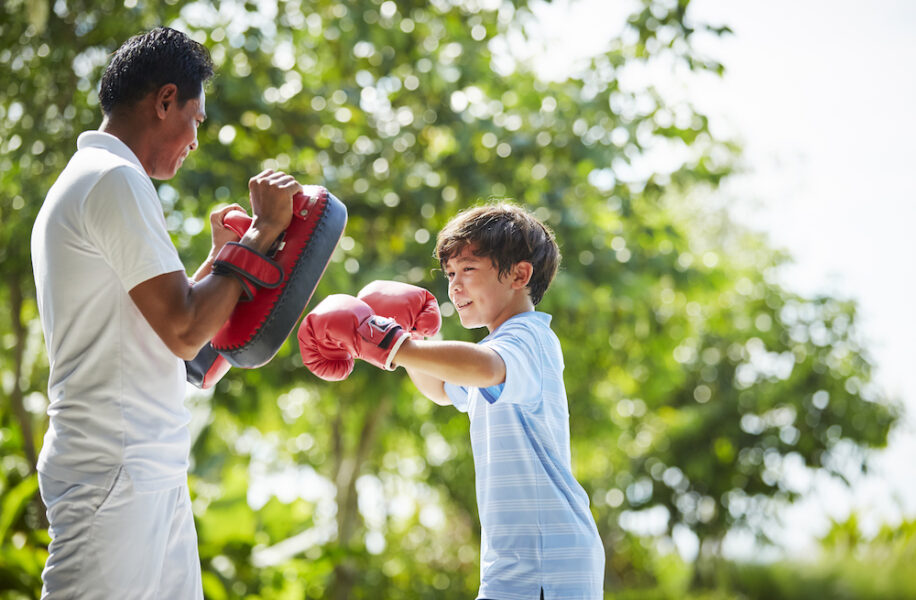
[(481, 298)]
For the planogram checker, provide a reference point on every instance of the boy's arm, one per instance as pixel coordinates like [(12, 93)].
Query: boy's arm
[(430, 386), (459, 363)]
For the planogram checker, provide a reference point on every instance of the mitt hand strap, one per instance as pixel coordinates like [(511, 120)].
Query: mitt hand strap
[(250, 267)]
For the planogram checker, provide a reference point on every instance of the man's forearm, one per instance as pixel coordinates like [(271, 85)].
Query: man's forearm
[(186, 316), (254, 239), (204, 269)]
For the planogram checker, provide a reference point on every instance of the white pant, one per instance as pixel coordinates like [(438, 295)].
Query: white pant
[(119, 543)]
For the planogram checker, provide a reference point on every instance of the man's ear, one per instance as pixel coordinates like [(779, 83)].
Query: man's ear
[(166, 97), (521, 274)]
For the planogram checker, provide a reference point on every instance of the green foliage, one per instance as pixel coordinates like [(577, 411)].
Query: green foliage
[(852, 566), (22, 554), (694, 379)]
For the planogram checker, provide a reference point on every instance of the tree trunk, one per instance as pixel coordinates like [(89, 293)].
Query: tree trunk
[(348, 469)]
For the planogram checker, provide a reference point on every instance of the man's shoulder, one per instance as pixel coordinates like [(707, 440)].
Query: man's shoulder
[(89, 172), (101, 162), (111, 177), (101, 153), (90, 168)]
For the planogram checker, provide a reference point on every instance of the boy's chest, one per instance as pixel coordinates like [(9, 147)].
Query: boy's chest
[(497, 430)]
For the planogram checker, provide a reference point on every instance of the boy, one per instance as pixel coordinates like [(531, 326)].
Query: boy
[(538, 538)]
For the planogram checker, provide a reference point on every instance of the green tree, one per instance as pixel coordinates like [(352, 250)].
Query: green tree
[(693, 377)]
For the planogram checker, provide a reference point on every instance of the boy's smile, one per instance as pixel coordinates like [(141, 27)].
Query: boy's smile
[(481, 297)]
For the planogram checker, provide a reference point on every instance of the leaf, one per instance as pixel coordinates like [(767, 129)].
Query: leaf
[(15, 501)]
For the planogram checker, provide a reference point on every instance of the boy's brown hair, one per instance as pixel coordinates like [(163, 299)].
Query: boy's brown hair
[(506, 234)]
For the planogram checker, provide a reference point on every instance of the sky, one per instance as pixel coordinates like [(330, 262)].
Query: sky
[(822, 96)]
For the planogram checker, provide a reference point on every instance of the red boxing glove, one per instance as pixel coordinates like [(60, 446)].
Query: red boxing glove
[(342, 328), (415, 309)]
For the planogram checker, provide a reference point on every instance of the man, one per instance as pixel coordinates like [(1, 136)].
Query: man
[(119, 316)]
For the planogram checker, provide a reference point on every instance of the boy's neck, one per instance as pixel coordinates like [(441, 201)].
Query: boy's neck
[(521, 304)]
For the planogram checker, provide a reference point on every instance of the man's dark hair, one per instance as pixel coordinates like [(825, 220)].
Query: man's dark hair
[(148, 61), (506, 234)]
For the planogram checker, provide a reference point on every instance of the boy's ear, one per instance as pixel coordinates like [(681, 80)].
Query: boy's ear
[(521, 274)]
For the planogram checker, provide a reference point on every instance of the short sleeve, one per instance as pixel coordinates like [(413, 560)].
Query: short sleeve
[(124, 219), (519, 350), (458, 395)]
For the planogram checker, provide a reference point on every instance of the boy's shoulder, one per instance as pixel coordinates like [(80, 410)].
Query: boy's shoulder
[(526, 329), (526, 321)]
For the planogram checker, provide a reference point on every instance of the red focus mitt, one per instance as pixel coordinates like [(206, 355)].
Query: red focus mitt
[(342, 328), (414, 308), (207, 368), (277, 286)]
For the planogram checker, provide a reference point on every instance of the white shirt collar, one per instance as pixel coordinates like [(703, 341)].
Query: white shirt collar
[(106, 141)]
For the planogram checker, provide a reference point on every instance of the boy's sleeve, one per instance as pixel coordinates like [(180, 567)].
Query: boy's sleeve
[(519, 351), (458, 395)]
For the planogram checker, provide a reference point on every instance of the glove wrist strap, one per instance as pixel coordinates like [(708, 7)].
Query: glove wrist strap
[(250, 267), (389, 362), (385, 336)]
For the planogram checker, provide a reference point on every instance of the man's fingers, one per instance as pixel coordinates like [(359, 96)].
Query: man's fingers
[(266, 173), (216, 216), (225, 209), (281, 179)]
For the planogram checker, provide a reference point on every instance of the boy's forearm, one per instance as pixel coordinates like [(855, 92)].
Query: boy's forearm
[(459, 363), (430, 386)]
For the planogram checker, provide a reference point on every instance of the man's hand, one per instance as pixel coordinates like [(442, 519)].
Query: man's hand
[(271, 194), (220, 235), (219, 232)]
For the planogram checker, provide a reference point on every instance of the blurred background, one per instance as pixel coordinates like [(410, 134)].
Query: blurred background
[(729, 185)]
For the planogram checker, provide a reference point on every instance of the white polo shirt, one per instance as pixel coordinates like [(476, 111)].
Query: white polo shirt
[(116, 391), (537, 531)]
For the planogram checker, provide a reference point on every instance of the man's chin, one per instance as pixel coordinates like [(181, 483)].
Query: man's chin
[(164, 175)]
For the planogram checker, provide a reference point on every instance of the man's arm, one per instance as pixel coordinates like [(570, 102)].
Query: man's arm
[(187, 316), (459, 363)]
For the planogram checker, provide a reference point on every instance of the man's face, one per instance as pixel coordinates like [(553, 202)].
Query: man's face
[(178, 135)]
